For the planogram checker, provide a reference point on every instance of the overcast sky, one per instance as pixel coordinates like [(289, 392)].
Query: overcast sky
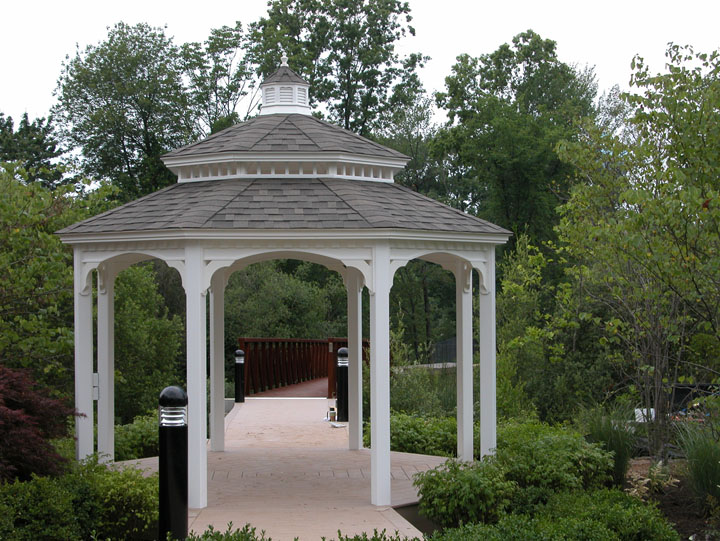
[(36, 35)]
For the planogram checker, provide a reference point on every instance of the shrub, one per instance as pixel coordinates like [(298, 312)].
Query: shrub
[(530, 528), (138, 439), (611, 429), (459, 492), (29, 419), (40, 508), (89, 500), (702, 450), (628, 517), (247, 533), (425, 436), (543, 460), (381, 536), (602, 515)]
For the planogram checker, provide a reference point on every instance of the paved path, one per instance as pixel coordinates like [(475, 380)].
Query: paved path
[(288, 472), (315, 388)]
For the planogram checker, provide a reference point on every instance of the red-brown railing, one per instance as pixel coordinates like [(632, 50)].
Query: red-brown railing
[(276, 362)]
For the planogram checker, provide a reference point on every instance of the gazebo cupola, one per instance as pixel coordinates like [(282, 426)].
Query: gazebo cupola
[(285, 141), (285, 92)]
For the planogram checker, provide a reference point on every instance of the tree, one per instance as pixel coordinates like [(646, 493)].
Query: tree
[(36, 283), (148, 343), (122, 102), (29, 419), (34, 146), (220, 77), (644, 225), (506, 112), (346, 51)]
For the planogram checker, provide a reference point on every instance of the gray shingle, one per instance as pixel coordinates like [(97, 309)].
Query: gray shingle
[(285, 133), (284, 204)]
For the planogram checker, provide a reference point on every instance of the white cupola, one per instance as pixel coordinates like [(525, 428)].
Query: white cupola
[(285, 92)]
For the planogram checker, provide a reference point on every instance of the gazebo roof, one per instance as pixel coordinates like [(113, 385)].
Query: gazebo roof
[(276, 204), (284, 75), (285, 133)]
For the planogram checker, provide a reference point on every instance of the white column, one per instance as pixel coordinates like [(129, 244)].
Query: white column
[(463, 323), (84, 444), (106, 362), (488, 418), (196, 377), (217, 362), (380, 378), (354, 333)]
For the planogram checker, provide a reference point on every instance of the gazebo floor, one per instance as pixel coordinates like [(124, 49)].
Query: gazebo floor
[(288, 472)]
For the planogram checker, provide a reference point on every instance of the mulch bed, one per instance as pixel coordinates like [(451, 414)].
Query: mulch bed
[(679, 505)]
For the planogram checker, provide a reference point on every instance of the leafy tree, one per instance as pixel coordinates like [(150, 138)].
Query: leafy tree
[(36, 283), (346, 51), (644, 229), (409, 129), (506, 112), (33, 145), (147, 343), (122, 102), (220, 77), (29, 419)]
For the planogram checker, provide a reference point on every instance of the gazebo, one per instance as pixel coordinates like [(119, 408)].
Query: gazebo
[(283, 185)]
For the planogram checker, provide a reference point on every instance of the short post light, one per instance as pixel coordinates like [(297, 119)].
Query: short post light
[(239, 375), (173, 463), (342, 385)]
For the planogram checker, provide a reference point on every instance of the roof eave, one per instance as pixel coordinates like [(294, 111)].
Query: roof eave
[(71, 238), (242, 156)]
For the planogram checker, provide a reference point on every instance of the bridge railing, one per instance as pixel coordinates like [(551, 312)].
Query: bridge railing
[(276, 362)]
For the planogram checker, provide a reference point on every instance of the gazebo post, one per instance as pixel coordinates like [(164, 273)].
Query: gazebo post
[(463, 323), (217, 361), (84, 444), (380, 377), (106, 361), (488, 418), (354, 283), (193, 281)]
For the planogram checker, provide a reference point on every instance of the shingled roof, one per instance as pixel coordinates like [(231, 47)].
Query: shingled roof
[(285, 133), (276, 204), (284, 75)]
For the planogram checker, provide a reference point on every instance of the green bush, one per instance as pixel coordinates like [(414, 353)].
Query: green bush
[(89, 500), (37, 509), (602, 515), (425, 436), (611, 429), (247, 533), (458, 492), (702, 449), (376, 536), (529, 528), (543, 460), (138, 439), (629, 518)]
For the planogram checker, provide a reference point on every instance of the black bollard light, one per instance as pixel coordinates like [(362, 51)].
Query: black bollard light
[(173, 463), (342, 385), (239, 375)]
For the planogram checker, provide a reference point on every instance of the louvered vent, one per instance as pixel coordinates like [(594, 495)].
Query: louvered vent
[(302, 96), (286, 94), (269, 95)]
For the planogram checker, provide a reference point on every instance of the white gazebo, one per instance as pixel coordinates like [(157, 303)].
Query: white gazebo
[(283, 185)]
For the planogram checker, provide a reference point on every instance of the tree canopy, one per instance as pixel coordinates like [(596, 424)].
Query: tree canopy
[(34, 146), (506, 112), (346, 51)]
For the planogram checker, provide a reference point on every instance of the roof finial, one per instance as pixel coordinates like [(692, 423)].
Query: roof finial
[(283, 61)]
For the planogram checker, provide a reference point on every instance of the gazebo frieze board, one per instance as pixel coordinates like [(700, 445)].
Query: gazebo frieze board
[(229, 257), (230, 165)]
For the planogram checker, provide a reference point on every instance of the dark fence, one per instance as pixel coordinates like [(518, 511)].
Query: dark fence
[(276, 362)]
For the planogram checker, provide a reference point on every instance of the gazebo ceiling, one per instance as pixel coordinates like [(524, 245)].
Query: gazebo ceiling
[(277, 204)]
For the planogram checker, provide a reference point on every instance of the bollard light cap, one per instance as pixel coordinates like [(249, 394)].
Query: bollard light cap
[(342, 356), (239, 356), (173, 397)]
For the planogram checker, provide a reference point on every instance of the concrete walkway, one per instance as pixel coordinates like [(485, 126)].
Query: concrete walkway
[(288, 472)]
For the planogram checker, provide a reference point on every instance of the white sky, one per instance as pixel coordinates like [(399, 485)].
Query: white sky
[(36, 35)]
